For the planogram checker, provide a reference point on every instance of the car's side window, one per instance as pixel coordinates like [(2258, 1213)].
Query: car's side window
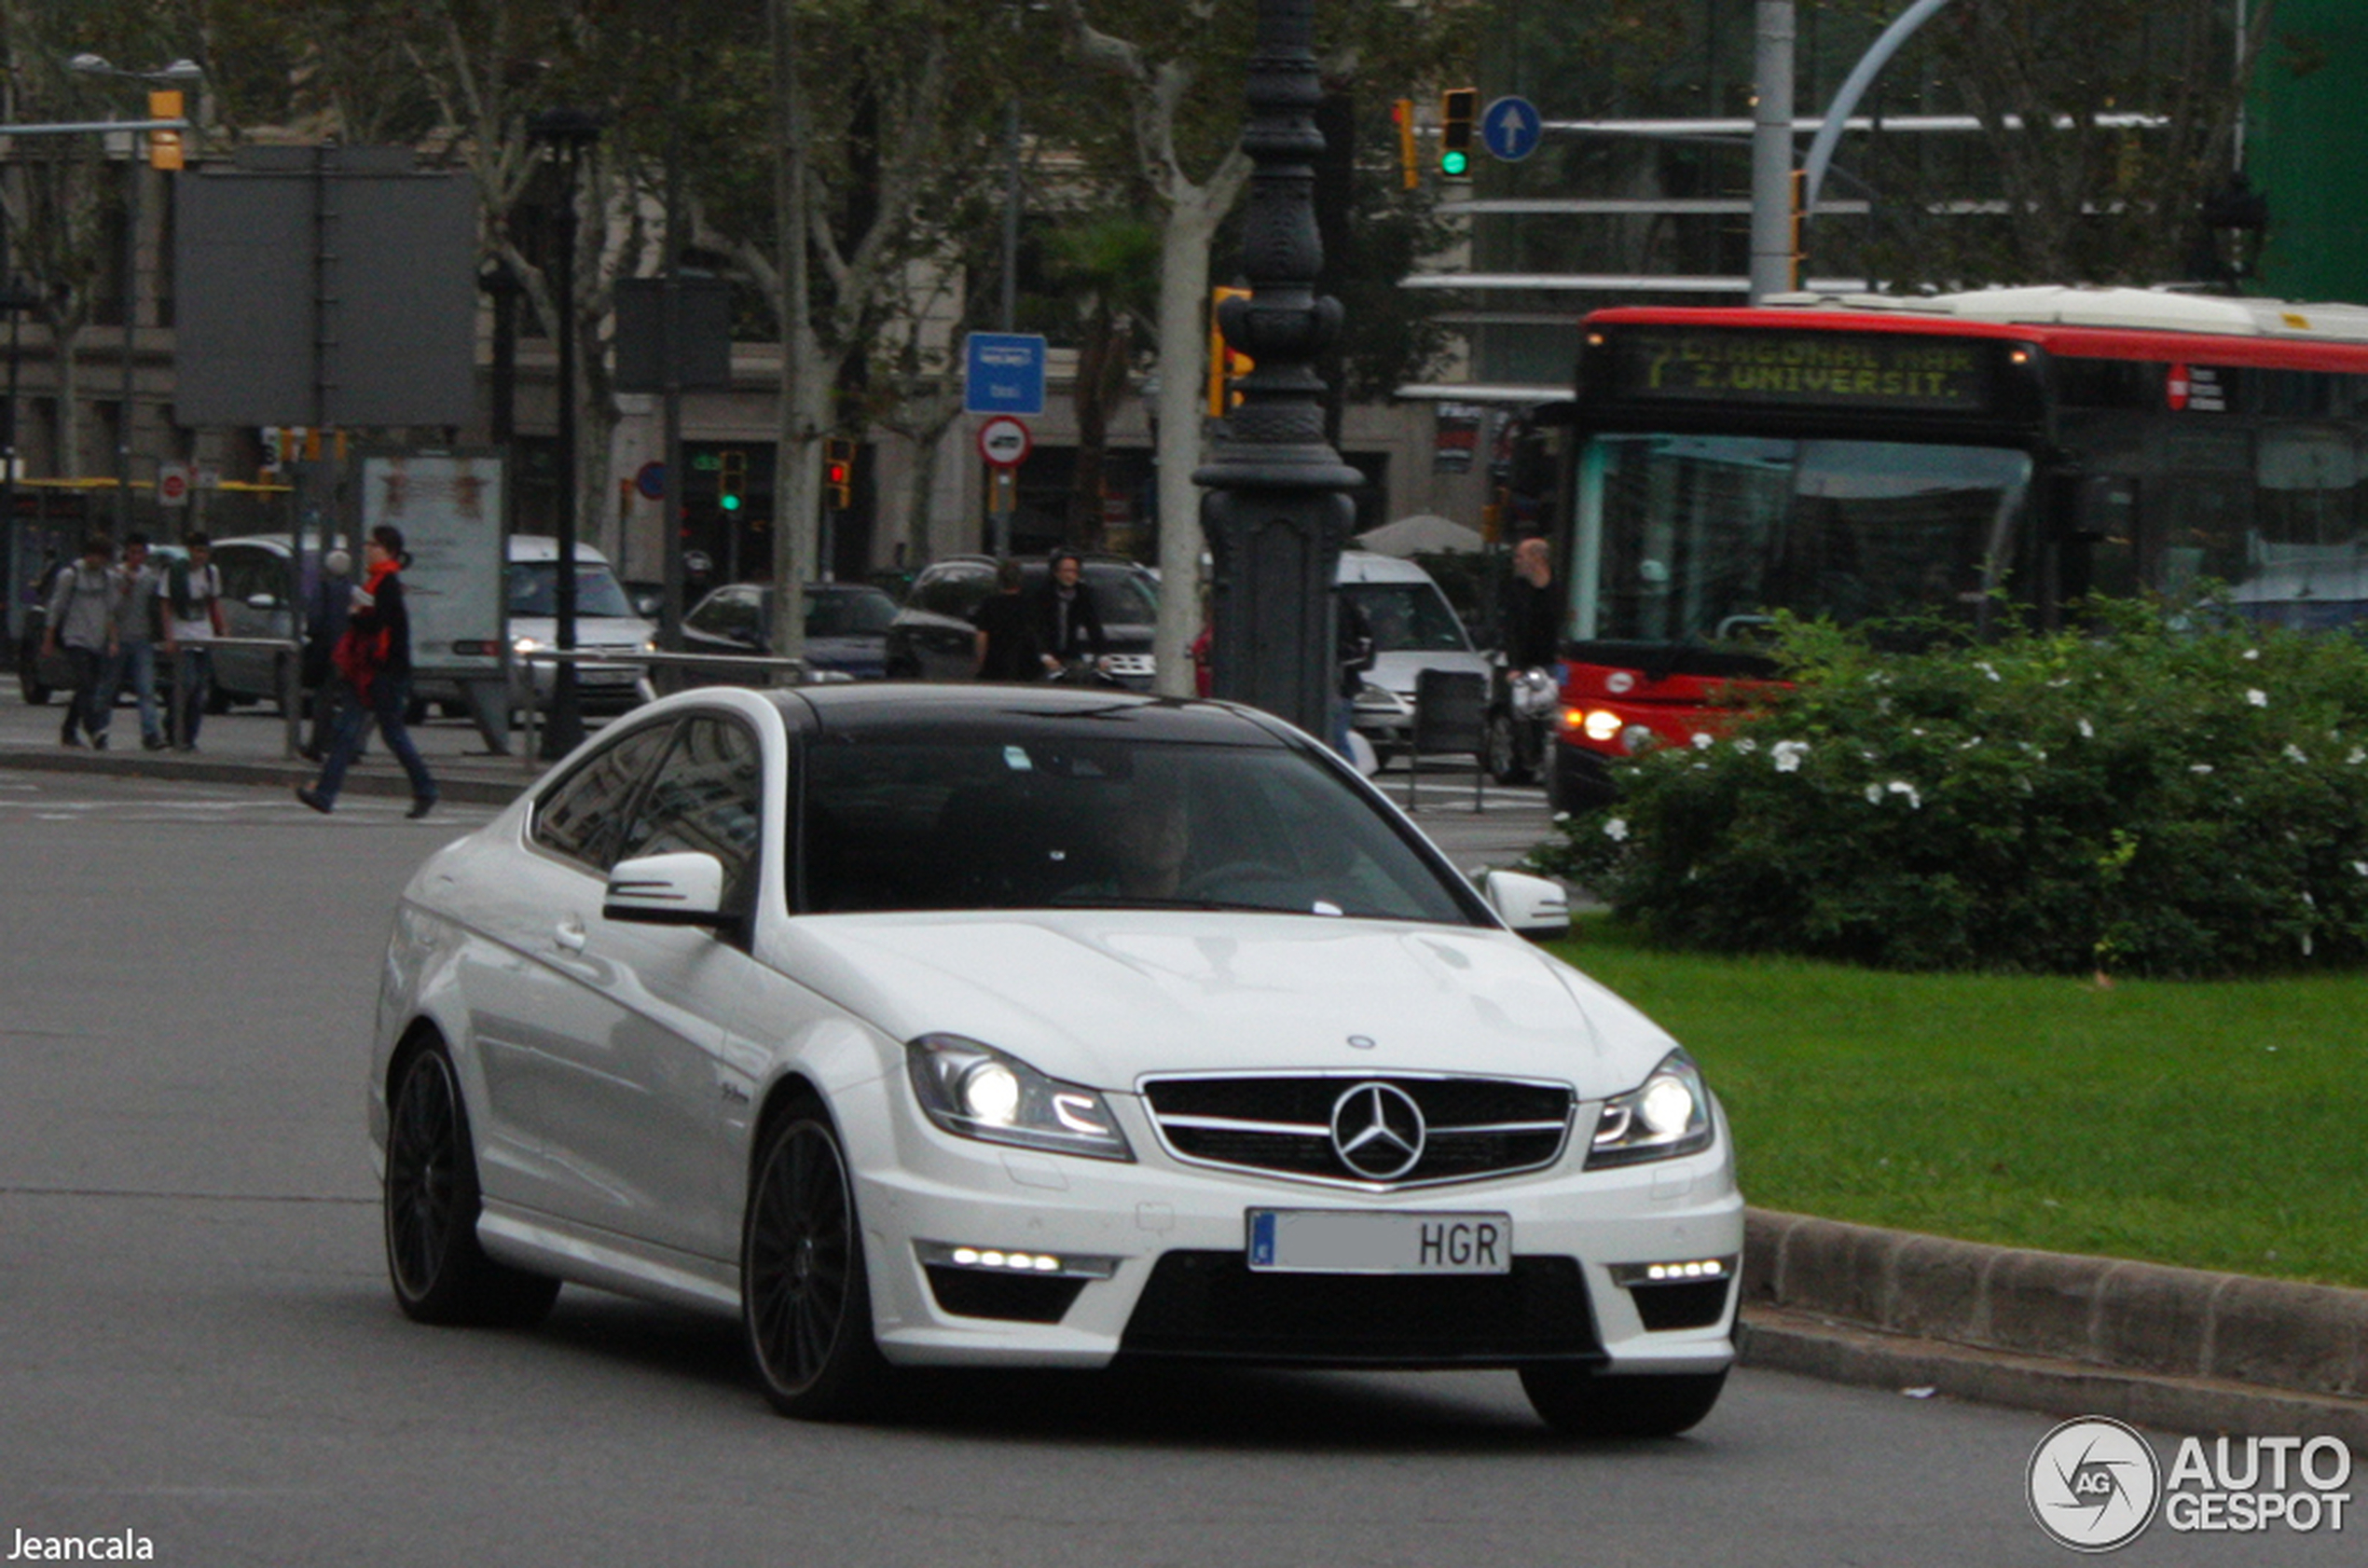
[(706, 796), (580, 816)]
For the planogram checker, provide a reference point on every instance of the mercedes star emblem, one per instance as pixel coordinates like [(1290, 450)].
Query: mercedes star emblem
[(1377, 1131)]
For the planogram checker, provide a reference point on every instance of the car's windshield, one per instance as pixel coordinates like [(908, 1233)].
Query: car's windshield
[(1408, 617), (859, 613), (534, 589), (1702, 536), (1020, 822)]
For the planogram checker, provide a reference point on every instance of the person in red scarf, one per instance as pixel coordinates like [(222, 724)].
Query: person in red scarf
[(373, 662)]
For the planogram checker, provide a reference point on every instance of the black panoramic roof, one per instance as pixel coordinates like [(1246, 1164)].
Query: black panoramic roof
[(888, 709)]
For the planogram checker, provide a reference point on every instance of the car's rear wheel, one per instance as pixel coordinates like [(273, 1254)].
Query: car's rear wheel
[(1581, 1404), (431, 1202), (805, 1300), (29, 674)]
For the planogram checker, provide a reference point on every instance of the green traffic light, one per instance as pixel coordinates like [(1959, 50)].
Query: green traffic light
[(729, 502), (1455, 163)]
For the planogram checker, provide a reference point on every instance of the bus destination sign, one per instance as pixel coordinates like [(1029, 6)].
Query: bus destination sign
[(1816, 369)]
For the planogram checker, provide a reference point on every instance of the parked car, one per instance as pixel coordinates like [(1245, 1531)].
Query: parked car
[(845, 627), (257, 578), (920, 1025), (932, 638), (1414, 629)]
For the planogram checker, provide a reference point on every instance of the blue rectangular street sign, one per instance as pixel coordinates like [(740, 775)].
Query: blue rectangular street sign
[(1003, 373)]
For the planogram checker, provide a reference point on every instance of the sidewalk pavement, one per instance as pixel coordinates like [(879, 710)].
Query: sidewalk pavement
[(2178, 1349)]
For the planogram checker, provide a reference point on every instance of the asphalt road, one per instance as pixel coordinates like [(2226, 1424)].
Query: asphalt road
[(197, 1346)]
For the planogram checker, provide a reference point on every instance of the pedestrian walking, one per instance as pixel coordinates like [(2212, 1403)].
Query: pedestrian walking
[(327, 610), (1007, 648), (135, 635), (82, 622), (373, 662), (192, 620)]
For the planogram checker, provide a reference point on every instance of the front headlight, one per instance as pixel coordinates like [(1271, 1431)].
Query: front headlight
[(526, 645), (974, 1091), (1667, 1116)]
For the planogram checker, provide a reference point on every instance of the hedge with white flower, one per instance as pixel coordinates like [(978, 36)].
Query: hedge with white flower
[(2138, 796)]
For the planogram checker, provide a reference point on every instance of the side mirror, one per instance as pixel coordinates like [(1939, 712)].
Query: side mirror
[(1531, 905), (684, 889)]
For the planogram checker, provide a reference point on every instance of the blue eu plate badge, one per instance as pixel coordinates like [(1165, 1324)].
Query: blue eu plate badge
[(1262, 1239)]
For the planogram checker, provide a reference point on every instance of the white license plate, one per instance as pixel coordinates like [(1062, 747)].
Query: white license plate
[(1350, 1241)]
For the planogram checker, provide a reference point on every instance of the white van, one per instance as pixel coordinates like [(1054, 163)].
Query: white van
[(604, 622), (1414, 629)]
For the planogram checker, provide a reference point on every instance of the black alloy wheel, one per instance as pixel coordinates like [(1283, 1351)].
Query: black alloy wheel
[(440, 1274), (805, 1299), (1582, 1404)]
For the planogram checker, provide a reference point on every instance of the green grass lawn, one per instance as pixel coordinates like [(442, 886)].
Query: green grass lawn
[(2216, 1125)]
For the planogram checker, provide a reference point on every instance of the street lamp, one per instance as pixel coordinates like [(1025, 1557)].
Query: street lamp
[(569, 134), (180, 73), (1278, 509)]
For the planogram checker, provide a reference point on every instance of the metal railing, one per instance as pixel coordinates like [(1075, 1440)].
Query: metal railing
[(530, 692)]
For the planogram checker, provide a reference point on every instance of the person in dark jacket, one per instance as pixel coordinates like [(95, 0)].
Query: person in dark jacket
[(1069, 623), (1006, 630), (374, 671), (327, 610), (1533, 615)]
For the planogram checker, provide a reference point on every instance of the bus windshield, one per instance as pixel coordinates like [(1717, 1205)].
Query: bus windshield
[(1699, 538)]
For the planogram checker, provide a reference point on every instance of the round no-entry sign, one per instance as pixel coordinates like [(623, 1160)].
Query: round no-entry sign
[(1004, 442)]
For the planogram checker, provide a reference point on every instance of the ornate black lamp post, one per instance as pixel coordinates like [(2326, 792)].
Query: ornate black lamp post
[(1278, 510), (570, 134)]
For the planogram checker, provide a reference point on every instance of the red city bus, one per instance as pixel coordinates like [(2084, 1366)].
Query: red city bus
[(1868, 457)]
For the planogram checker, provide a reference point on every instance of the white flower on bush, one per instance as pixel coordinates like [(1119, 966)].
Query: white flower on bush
[(1901, 786), (2252, 652), (1873, 794), (2199, 767), (2258, 697), (2357, 757), (1747, 746), (2296, 753), (1617, 829), (1787, 755), (1990, 670), (2361, 866), (2087, 730), (1703, 741)]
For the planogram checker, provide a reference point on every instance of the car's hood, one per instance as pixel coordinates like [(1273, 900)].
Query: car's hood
[(1101, 998), (1397, 672)]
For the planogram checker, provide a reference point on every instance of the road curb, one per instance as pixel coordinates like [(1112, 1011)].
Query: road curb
[(201, 769), (2184, 1348)]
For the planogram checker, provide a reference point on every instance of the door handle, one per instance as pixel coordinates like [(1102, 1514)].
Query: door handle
[(571, 935)]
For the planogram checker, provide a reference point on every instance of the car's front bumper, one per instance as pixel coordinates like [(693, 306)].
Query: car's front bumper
[(1188, 1225)]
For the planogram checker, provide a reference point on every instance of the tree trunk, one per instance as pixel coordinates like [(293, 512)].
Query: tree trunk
[(1186, 227)]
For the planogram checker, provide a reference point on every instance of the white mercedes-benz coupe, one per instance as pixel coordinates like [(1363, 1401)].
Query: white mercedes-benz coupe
[(1036, 1027)]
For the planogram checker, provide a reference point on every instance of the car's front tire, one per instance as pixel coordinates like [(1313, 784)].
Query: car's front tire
[(1581, 1404), (431, 1202), (806, 1297)]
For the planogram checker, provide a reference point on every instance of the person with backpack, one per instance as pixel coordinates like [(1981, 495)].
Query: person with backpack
[(192, 619), (83, 605), (373, 663)]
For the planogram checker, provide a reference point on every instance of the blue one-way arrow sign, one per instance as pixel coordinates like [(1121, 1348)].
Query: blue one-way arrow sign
[(1512, 128)]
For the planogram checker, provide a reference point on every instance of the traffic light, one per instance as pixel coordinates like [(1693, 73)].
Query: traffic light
[(1410, 169), (1458, 106), (1224, 363), (164, 146), (838, 472), (731, 479)]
